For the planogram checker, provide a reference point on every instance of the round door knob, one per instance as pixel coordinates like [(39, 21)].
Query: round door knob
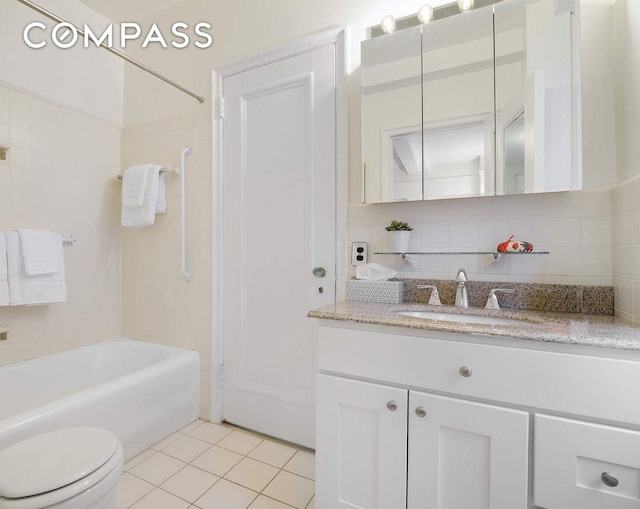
[(392, 405), (319, 272), (421, 412), (609, 479), (465, 371)]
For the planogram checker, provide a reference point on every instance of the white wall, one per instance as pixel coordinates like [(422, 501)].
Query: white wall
[(89, 80), (59, 176), (626, 218)]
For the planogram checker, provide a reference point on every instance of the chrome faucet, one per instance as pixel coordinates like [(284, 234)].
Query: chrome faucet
[(462, 296), (434, 300)]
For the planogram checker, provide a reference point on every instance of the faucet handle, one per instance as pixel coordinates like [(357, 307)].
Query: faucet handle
[(492, 301), (462, 276), (434, 300)]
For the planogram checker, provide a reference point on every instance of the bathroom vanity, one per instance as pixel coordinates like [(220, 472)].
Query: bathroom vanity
[(422, 413)]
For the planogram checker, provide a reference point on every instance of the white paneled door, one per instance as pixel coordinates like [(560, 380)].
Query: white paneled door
[(279, 238)]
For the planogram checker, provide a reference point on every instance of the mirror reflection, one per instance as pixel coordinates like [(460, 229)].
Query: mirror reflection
[(392, 117), (536, 118), (476, 104), (458, 112)]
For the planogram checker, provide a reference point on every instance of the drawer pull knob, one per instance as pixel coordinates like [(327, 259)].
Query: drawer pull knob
[(421, 412), (392, 405), (609, 479), (465, 371)]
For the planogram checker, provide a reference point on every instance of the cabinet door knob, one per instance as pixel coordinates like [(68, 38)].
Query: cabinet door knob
[(392, 405), (609, 479), (421, 412), (465, 371), (319, 272)]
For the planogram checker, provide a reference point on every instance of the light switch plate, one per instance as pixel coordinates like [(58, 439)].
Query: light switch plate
[(359, 253)]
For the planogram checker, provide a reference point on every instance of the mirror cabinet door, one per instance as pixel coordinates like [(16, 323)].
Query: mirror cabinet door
[(458, 106), (537, 126), (392, 117), (482, 103)]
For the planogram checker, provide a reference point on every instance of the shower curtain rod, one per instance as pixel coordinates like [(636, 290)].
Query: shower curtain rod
[(116, 52)]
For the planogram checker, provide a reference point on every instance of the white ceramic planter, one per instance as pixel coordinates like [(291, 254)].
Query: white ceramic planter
[(399, 241)]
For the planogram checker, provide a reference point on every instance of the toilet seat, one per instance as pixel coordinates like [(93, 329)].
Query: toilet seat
[(54, 467)]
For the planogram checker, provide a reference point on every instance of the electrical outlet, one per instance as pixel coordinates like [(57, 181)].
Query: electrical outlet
[(359, 253)]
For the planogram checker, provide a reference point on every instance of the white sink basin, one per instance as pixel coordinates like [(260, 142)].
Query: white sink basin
[(460, 318)]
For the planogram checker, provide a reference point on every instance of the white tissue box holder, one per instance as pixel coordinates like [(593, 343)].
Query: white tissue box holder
[(383, 292)]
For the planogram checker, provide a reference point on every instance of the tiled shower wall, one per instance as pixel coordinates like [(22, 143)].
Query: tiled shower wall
[(158, 305), (59, 176)]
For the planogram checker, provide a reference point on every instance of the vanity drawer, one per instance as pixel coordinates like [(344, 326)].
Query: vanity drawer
[(581, 385), (577, 464)]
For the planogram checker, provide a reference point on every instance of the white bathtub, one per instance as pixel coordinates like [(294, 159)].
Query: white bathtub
[(140, 391)]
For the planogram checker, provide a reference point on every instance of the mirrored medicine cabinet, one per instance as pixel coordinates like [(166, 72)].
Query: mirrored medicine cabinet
[(483, 103)]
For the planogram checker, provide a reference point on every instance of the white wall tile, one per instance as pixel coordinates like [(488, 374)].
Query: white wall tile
[(72, 202)]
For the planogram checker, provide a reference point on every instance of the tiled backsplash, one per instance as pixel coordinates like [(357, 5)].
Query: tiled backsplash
[(575, 227), (59, 176), (596, 300)]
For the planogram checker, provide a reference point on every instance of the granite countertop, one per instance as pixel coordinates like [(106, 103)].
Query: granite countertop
[(573, 328)]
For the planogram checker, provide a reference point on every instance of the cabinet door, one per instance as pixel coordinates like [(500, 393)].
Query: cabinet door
[(466, 455), (585, 465), (361, 442)]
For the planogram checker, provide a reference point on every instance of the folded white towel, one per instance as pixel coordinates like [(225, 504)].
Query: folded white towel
[(161, 203), (39, 252), (144, 215), (34, 290), (4, 281), (134, 183)]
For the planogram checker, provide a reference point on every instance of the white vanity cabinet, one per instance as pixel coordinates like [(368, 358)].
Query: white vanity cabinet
[(383, 447), (420, 419), (466, 454)]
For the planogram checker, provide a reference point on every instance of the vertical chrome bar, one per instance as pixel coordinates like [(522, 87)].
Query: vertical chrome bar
[(187, 276)]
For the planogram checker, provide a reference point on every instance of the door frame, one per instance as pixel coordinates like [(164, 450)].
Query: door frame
[(338, 37)]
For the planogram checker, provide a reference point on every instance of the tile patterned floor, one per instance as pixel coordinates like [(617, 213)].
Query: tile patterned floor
[(210, 466)]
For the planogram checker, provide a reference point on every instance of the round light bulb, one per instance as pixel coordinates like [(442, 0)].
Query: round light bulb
[(425, 14), (465, 5), (388, 24)]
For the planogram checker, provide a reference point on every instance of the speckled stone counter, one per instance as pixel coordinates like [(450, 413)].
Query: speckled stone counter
[(571, 328)]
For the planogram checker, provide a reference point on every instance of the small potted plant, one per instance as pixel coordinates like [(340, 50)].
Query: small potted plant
[(399, 236)]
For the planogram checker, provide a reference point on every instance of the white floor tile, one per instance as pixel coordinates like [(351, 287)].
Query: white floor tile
[(157, 469), (190, 483), (217, 461), (312, 504), (211, 433), (186, 448), (192, 426), (252, 474), (242, 443), (273, 453), (263, 502), (130, 489), (304, 464), (139, 459), (159, 499), (167, 441), (291, 489), (226, 495)]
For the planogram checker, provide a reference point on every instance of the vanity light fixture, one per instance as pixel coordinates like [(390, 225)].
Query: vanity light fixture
[(465, 5), (388, 24), (425, 14)]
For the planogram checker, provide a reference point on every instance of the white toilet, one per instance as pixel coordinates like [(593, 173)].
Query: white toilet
[(71, 468)]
